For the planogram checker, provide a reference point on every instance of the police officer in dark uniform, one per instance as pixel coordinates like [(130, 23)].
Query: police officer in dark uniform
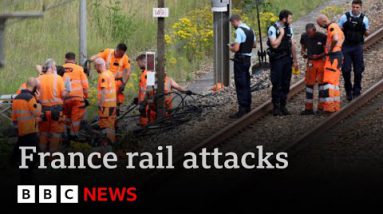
[(355, 27), (242, 47), (282, 54)]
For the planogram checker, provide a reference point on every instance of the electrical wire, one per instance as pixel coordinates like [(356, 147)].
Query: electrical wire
[(44, 9)]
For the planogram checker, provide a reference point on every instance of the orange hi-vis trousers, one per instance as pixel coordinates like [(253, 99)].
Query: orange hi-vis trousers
[(74, 111), (120, 96), (107, 120), (51, 128), (314, 75), (329, 89)]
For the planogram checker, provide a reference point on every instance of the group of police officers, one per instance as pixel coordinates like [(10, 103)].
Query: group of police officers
[(327, 55)]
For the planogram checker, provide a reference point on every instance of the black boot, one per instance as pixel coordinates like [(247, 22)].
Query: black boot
[(277, 110), (284, 110), (355, 95), (349, 96), (307, 112), (241, 112)]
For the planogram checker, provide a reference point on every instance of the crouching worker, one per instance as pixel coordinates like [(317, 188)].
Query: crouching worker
[(146, 95), (25, 115), (106, 95)]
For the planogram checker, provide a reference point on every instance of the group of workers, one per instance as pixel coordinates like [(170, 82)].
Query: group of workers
[(52, 106), (327, 55)]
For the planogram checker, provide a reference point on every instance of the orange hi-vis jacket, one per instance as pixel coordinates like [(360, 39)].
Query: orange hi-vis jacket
[(106, 88), (25, 113), (142, 87), (334, 29), (76, 81), (51, 90), (167, 94), (22, 87), (115, 65), (149, 97)]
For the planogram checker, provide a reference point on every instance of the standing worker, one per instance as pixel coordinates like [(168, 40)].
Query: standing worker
[(52, 93), (142, 89), (355, 27), (76, 85), (313, 47), (106, 88), (243, 48), (25, 115), (282, 54), (333, 64), (118, 63)]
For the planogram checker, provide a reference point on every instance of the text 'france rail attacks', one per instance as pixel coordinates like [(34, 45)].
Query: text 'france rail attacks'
[(163, 159)]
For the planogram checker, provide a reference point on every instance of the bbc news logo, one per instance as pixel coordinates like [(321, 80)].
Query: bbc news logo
[(47, 194), (70, 194)]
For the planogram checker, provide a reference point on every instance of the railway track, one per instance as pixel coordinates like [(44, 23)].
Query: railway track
[(245, 124), (227, 139), (334, 119)]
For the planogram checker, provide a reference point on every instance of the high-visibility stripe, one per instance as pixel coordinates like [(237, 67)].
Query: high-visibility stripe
[(75, 81), (55, 86), (56, 135), (329, 86), (110, 100), (77, 123), (330, 99), (25, 118), (309, 101), (76, 89), (22, 111), (54, 100), (309, 90)]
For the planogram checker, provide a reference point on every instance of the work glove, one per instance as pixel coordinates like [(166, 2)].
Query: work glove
[(188, 92)]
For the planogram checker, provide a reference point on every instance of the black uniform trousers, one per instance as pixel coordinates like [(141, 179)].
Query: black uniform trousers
[(281, 71), (242, 82), (353, 57)]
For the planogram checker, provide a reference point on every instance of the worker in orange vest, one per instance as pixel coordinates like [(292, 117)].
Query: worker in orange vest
[(117, 61), (313, 45), (142, 88), (146, 95), (76, 85), (332, 69), (25, 115), (106, 88), (52, 93), (24, 84)]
